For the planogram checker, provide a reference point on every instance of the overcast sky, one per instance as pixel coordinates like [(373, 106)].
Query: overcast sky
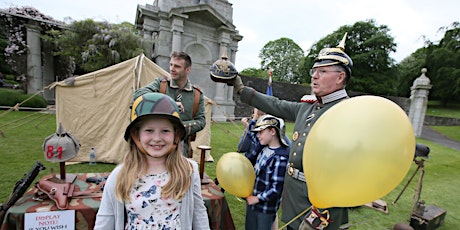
[(305, 22)]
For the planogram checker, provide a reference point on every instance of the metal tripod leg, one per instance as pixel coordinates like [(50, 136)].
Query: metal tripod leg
[(410, 179)]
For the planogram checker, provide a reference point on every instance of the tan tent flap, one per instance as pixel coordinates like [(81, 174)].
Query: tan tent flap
[(204, 136), (96, 107)]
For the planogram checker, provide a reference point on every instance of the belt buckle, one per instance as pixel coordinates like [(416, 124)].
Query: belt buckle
[(290, 170)]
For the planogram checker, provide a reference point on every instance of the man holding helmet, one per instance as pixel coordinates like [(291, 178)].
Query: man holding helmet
[(330, 74)]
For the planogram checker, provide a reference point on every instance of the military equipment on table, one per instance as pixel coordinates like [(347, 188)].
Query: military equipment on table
[(20, 188)]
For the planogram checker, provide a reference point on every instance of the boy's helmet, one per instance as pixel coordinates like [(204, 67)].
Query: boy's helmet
[(155, 104), (271, 121), (334, 56)]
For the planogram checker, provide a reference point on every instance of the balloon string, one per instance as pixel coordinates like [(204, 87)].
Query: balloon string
[(239, 199), (295, 218)]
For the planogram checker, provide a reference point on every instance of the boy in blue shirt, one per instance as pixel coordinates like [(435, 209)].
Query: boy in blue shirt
[(269, 158)]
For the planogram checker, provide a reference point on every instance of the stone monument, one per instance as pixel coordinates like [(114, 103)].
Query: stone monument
[(201, 28)]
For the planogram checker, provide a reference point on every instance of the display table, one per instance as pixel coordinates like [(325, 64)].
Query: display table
[(86, 207), (216, 205)]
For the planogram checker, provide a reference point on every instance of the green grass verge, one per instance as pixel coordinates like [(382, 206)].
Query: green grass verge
[(23, 134), (452, 110)]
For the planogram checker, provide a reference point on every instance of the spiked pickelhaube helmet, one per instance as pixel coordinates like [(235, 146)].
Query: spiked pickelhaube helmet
[(155, 104), (335, 56), (268, 120), (223, 70)]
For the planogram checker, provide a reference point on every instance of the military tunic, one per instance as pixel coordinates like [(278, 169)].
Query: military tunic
[(295, 192), (192, 124)]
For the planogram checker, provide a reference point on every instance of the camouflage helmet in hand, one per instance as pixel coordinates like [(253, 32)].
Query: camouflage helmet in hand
[(335, 56), (159, 105), (223, 70)]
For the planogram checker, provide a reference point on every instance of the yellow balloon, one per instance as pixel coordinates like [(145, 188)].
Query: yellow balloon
[(235, 174), (357, 151)]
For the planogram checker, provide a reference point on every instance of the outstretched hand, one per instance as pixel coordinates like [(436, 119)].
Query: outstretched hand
[(238, 84)]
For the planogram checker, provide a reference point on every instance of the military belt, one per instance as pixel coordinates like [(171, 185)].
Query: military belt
[(295, 173)]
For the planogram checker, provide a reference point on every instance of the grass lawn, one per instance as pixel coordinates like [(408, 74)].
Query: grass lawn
[(22, 135)]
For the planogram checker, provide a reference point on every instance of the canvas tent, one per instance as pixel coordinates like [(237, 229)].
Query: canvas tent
[(95, 107)]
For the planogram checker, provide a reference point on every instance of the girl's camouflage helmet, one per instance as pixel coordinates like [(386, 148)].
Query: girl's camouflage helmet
[(223, 70), (334, 56), (155, 104)]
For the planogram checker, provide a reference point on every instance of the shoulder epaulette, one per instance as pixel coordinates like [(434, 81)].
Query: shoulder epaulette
[(308, 98)]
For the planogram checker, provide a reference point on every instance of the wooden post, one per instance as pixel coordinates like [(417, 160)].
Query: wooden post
[(202, 157)]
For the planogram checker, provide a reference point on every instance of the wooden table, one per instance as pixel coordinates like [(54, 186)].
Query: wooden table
[(86, 208)]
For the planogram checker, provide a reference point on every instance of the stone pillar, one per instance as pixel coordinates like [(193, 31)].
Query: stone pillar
[(34, 60), (219, 110), (419, 99), (177, 29), (48, 76), (222, 111), (147, 42)]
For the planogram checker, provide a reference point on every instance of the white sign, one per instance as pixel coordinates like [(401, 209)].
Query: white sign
[(50, 220)]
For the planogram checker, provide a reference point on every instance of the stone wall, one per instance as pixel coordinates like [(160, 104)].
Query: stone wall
[(441, 121)]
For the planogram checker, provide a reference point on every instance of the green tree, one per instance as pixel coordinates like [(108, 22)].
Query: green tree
[(408, 70), (369, 46), (254, 72), (443, 63), (283, 56), (95, 45)]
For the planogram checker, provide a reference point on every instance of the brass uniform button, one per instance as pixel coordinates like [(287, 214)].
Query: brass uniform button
[(295, 136)]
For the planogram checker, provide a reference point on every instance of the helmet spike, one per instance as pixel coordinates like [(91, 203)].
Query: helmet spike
[(342, 43), (224, 55)]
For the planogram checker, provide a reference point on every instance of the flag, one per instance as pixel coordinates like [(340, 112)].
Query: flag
[(269, 86)]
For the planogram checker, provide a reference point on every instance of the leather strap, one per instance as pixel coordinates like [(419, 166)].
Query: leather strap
[(196, 99)]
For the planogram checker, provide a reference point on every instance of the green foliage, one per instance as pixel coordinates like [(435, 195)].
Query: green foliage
[(95, 45), (283, 56), (408, 70), (253, 72), (4, 67), (10, 97), (369, 46), (444, 66)]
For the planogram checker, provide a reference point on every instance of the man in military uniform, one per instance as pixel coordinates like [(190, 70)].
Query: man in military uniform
[(188, 97), (330, 74)]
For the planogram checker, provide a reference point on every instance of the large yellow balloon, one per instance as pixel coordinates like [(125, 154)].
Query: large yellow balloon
[(235, 174), (357, 151)]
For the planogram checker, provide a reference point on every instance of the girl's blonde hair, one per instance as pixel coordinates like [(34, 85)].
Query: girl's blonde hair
[(135, 166)]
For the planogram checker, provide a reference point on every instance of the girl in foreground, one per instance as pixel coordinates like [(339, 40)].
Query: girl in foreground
[(155, 187)]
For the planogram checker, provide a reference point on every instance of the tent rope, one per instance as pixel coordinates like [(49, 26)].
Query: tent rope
[(16, 107)]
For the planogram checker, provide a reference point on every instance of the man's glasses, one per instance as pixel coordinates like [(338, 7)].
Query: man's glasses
[(321, 72)]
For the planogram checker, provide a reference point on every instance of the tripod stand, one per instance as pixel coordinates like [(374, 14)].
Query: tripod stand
[(422, 217), (421, 151), (417, 206)]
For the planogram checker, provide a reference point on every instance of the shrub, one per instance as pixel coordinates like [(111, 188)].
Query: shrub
[(10, 97)]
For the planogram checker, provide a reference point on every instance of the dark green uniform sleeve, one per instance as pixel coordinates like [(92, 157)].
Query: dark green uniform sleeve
[(269, 104)]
